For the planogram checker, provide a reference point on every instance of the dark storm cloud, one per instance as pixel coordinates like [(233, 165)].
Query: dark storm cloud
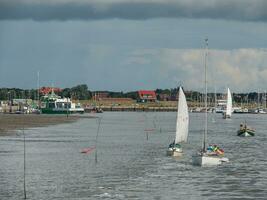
[(242, 10)]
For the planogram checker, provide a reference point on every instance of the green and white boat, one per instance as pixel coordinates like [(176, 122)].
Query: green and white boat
[(54, 104), (245, 131)]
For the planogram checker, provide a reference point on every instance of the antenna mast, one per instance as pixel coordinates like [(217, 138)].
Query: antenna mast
[(38, 87), (206, 97)]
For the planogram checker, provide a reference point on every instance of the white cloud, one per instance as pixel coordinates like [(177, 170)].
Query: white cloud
[(239, 69), (138, 60)]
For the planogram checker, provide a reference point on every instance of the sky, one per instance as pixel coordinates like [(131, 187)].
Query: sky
[(127, 45)]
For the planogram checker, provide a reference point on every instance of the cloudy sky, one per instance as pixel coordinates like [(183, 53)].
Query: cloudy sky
[(124, 45)]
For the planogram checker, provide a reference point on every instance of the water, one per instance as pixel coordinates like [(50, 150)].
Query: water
[(132, 163)]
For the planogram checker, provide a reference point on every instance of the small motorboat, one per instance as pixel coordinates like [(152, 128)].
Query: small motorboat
[(245, 131)]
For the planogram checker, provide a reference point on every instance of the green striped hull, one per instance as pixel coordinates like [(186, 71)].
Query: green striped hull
[(245, 133), (51, 111)]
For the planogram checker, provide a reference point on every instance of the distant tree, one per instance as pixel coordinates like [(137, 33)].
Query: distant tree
[(65, 93), (4, 94), (116, 94), (80, 92), (161, 91), (132, 95), (253, 96)]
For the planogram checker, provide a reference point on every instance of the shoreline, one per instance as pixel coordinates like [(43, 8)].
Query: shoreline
[(9, 123)]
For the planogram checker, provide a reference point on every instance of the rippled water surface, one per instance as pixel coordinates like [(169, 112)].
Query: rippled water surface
[(131, 160)]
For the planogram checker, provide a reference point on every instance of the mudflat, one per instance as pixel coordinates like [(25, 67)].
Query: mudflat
[(11, 122)]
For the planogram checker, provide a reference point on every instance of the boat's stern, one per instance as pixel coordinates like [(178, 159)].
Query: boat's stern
[(174, 152), (208, 160)]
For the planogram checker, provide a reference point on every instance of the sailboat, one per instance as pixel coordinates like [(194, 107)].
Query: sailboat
[(182, 122), (228, 112), (209, 155)]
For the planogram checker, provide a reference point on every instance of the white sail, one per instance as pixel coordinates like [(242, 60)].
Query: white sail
[(182, 119), (229, 103)]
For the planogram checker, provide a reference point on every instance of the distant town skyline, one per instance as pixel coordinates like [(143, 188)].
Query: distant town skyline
[(131, 45)]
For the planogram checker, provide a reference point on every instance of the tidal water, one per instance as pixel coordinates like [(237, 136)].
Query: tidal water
[(131, 161)]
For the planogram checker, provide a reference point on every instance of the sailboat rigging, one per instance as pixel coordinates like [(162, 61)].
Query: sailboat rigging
[(212, 154)]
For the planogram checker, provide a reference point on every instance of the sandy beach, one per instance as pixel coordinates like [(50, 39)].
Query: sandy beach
[(11, 122)]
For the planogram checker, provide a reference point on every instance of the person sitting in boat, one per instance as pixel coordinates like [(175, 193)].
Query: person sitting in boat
[(219, 151), (215, 150), (173, 145), (251, 129), (210, 149), (245, 127), (241, 126)]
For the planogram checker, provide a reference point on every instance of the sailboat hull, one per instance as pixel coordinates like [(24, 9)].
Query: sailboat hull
[(225, 116), (205, 160), (174, 152)]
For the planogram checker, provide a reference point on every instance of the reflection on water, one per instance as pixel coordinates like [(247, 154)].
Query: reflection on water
[(132, 163)]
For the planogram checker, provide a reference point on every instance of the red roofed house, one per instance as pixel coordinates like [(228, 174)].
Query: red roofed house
[(47, 90), (147, 96)]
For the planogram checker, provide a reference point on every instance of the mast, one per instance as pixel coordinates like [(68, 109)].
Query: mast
[(38, 87), (206, 97), (265, 99), (258, 99), (215, 98), (67, 107), (24, 162)]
